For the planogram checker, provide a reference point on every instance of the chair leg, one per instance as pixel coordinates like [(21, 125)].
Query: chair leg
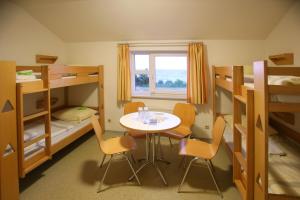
[(106, 170), (160, 148), (214, 179), (171, 144), (182, 162), (185, 174), (103, 159), (212, 166), (134, 173), (132, 158)]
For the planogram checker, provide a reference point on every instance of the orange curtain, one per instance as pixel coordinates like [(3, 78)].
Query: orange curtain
[(124, 79), (196, 75)]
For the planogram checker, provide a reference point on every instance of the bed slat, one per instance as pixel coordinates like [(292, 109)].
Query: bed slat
[(227, 85), (284, 107), (283, 71)]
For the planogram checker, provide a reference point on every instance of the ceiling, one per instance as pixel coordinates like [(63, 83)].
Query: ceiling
[(117, 20)]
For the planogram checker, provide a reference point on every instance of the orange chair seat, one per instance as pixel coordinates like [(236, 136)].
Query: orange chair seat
[(196, 148), (178, 133), (118, 145)]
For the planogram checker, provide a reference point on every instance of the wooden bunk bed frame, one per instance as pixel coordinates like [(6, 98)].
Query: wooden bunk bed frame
[(263, 106), (52, 76), (9, 185), (232, 79)]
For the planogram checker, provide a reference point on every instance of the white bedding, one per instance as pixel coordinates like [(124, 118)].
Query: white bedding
[(35, 76), (59, 130), (36, 129), (281, 80)]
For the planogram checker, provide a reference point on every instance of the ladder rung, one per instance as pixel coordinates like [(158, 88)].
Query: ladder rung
[(240, 98), (29, 117), (36, 91), (241, 160), (35, 140), (244, 178), (241, 128)]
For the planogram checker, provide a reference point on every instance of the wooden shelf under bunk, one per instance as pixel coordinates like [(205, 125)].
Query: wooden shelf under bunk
[(36, 115), (283, 59)]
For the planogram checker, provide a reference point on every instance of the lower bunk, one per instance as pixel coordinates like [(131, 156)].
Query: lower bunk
[(62, 134), (284, 160)]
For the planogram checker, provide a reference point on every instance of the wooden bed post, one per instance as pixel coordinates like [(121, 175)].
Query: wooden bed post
[(9, 185), (261, 116), (47, 105), (101, 97), (237, 81), (214, 93)]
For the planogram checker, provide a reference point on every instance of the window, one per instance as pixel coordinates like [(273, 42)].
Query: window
[(159, 75)]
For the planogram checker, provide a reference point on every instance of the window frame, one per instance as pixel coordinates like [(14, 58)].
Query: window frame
[(153, 92)]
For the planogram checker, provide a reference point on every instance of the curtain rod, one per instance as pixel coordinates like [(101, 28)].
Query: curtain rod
[(157, 44)]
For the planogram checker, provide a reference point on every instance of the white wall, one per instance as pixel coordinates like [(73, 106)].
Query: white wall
[(22, 37), (219, 52), (285, 37)]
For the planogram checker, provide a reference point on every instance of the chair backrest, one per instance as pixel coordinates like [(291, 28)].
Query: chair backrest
[(186, 112), (218, 131), (97, 129), (132, 107)]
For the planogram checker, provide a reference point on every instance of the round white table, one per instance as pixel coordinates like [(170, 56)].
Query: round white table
[(160, 122)]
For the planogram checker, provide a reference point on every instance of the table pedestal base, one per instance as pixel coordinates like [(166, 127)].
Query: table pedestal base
[(153, 160)]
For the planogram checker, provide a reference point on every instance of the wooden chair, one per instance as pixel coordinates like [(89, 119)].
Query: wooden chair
[(112, 147), (186, 113), (132, 107), (203, 150)]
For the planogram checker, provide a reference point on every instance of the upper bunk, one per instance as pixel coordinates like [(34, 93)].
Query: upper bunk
[(280, 86), (41, 78), (234, 80)]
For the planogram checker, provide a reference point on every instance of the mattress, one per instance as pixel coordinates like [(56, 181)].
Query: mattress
[(59, 130), (34, 76)]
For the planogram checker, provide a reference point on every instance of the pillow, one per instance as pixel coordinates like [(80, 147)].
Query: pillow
[(74, 114), (248, 70)]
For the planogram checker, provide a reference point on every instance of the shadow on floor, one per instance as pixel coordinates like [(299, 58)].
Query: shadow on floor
[(197, 181)]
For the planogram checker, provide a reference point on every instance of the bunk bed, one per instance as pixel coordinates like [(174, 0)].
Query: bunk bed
[(39, 136), (238, 137), (276, 177)]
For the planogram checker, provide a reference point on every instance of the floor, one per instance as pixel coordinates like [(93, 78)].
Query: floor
[(73, 174)]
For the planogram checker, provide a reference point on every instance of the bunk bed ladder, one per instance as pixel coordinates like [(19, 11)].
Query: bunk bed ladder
[(243, 162), (25, 167)]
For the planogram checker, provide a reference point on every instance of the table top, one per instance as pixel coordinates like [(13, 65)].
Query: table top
[(165, 121)]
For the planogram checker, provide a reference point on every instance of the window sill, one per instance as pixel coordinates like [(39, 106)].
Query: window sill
[(160, 96)]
